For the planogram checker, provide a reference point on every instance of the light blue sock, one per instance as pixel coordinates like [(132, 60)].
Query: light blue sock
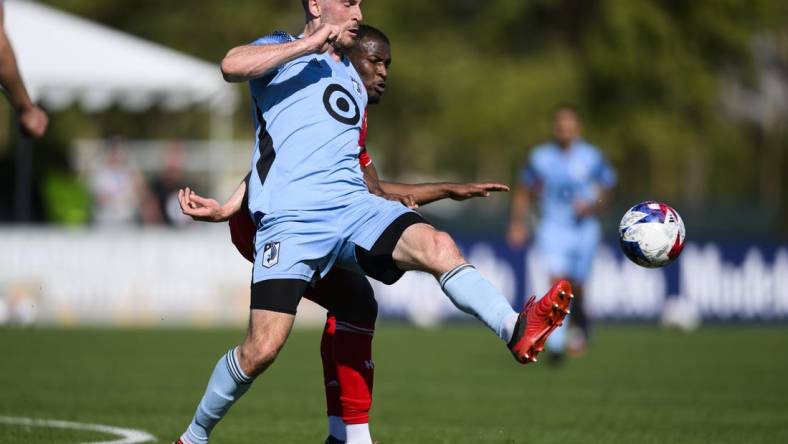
[(556, 343), (475, 295), (228, 383)]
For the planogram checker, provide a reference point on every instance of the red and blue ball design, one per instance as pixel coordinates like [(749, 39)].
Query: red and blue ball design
[(652, 234)]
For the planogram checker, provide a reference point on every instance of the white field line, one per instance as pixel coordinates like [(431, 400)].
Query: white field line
[(125, 436)]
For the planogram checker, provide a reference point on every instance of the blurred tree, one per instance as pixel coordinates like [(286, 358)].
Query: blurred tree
[(473, 83)]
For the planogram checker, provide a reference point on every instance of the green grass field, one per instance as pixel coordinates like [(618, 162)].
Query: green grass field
[(452, 385)]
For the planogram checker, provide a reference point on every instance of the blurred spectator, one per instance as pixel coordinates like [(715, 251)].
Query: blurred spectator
[(120, 193), (32, 120), (165, 186)]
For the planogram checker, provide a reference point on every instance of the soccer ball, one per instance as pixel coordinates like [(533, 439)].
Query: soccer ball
[(651, 234)]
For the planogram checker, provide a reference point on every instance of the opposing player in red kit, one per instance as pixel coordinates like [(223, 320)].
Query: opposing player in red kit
[(346, 346)]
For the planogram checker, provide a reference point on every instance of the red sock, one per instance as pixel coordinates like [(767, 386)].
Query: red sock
[(330, 379), (354, 369)]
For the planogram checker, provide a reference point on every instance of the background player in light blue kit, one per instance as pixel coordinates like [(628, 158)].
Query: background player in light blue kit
[(570, 179), (313, 209)]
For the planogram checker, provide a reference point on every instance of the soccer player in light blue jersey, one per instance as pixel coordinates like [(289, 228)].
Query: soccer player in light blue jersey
[(313, 209), (346, 343), (571, 180)]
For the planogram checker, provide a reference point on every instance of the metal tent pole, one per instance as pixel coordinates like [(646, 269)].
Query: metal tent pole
[(23, 180)]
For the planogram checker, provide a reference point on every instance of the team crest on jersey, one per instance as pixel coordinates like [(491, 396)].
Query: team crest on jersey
[(270, 254), (356, 86), (341, 105)]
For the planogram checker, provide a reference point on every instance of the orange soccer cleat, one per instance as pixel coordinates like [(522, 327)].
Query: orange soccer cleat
[(538, 320)]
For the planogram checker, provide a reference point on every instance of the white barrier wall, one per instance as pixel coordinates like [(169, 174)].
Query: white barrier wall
[(122, 277), (163, 277)]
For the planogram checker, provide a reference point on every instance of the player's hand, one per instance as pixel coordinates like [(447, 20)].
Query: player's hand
[(33, 121), (200, 208), (322, 39), (475, 189), (583, 208), (517, 236), (405, 199)]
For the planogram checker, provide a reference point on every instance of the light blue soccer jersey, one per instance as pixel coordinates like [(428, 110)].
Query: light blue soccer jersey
[(565, 176), (306, 191), (307, 115), (562, 177)]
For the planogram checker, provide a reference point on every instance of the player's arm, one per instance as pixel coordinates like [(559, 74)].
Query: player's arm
[(605, 178), (521, 205), (248, 62), (528, 185), (584, 208), (32, 119), (426, 193), (375, 187), (209, 210)]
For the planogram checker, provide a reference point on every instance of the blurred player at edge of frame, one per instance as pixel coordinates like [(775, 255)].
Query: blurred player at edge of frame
[(313, 209), (33, 120), (571, 181), (346, 345)]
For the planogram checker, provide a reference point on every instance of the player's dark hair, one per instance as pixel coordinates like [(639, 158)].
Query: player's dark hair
[(370, 32), (566, 107)]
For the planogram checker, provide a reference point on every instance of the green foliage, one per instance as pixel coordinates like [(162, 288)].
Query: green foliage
[(473, 81), (67, 199)]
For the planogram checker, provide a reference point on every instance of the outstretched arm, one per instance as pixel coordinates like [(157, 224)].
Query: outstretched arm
[(430, 192), (32, 119), (521, 204), (248, 62), (209, 210), (375, 187)]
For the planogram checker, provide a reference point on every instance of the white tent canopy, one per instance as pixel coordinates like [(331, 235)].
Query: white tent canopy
[(65, 59)]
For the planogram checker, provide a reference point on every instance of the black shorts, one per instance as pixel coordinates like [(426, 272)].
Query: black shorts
[(378, 262), (279, 295), (347, 295)]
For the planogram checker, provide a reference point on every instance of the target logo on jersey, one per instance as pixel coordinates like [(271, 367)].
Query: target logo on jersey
[(341, 105), (651, 234)]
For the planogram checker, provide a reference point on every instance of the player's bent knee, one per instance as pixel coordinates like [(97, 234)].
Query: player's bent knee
[(370, 312), (364, 311), (349, 297), (364, 307), (358, 311), (442, 253)]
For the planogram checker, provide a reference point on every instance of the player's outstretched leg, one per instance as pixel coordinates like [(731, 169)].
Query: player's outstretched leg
[(421, 247), (235, 371)]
